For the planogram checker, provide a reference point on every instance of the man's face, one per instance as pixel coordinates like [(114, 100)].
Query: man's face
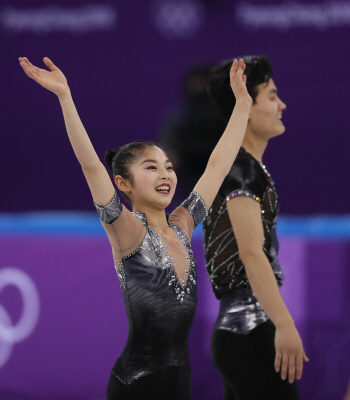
[(265, 118)]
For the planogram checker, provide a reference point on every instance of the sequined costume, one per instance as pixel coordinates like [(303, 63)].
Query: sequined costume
[(158, 279), (240, 311), (242, 340)]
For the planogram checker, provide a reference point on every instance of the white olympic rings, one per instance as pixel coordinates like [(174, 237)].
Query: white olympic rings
[(13, 333)]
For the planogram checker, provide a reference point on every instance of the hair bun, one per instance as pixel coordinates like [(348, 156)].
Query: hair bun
[(109, 157)]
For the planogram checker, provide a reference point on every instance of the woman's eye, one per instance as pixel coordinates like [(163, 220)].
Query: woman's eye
[(170, 168), (151, 167)]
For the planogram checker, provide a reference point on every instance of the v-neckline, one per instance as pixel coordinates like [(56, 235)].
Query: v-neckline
[(143, 219), (170, 259)]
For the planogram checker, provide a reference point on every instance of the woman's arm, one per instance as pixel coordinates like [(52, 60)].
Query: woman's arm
[(97, 177), (225, 152)]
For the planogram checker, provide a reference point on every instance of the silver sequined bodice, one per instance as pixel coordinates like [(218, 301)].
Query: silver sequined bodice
[(160, 305)]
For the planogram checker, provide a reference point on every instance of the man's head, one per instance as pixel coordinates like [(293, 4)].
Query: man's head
[(266, 111), (258, 70)]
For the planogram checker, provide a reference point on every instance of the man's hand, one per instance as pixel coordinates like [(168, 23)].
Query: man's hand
[(290, 353), (53, 80)]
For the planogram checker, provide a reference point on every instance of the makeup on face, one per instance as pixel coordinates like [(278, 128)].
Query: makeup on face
[(154, 178)]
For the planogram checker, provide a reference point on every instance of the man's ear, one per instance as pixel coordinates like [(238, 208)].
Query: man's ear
[(122, 184)]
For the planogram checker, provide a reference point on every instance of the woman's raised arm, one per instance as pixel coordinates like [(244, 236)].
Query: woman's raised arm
[(225, 152), (97, 177)]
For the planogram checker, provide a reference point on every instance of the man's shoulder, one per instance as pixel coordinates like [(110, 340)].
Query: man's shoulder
[(246, 173), (245, 167)]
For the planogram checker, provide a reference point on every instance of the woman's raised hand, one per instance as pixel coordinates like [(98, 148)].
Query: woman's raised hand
[(238, 82), (53, 80)]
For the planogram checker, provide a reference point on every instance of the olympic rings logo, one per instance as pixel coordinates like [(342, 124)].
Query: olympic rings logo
[(10, 333)]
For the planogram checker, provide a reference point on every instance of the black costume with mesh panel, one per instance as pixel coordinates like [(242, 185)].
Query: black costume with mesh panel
[(160, 307)]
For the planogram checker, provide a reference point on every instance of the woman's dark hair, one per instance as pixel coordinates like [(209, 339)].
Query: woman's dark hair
[(120, 159), (258, 70)]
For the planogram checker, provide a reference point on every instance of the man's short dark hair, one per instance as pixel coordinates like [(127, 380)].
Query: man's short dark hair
[(258, 70)]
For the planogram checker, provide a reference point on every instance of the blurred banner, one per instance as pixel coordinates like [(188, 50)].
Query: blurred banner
[(63, 284)]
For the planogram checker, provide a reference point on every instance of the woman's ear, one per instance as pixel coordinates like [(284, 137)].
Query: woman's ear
[(122, 184)]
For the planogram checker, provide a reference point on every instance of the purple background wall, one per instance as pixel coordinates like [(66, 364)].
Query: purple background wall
[(124, 69), (124, 62)]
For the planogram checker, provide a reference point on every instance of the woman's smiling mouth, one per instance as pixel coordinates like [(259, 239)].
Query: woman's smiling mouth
[(164, 188)]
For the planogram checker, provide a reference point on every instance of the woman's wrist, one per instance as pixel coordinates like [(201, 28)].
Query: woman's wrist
[(244, 103), (65, 94)]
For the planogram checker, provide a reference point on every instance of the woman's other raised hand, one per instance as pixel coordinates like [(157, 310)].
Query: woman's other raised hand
[(53, 80), (238, 82)]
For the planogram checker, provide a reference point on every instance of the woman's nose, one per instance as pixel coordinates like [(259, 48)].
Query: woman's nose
[(165, 174)]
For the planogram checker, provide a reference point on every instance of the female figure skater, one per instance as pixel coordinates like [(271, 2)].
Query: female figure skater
[(152, 252)]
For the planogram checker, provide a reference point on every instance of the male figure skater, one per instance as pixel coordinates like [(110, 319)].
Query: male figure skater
[(255, 345)]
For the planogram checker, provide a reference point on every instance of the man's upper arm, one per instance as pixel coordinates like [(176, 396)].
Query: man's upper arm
[(245, 216)]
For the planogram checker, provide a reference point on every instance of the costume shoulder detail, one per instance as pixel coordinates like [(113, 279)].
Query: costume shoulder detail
[(141, 217), (196, 207), (246, 177), (111, 211)]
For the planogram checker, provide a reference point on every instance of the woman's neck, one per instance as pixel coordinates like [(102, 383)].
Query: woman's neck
[(153, 216)]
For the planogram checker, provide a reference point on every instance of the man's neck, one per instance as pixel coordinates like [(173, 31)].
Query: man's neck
[(255, 146)]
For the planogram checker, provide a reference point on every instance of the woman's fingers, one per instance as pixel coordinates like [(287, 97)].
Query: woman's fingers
[(241, 70), (29, 71), (233, 71), (244, 76), (50, 64), (25, 59), (239, 66), (237, 70), (30, 64), (28, 67), (238, 81)]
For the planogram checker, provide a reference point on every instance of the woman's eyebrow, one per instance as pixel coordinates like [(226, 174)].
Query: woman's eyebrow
[(154, 161)]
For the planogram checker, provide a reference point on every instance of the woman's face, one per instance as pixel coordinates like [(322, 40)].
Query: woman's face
[(154, 180), (265, 118)]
